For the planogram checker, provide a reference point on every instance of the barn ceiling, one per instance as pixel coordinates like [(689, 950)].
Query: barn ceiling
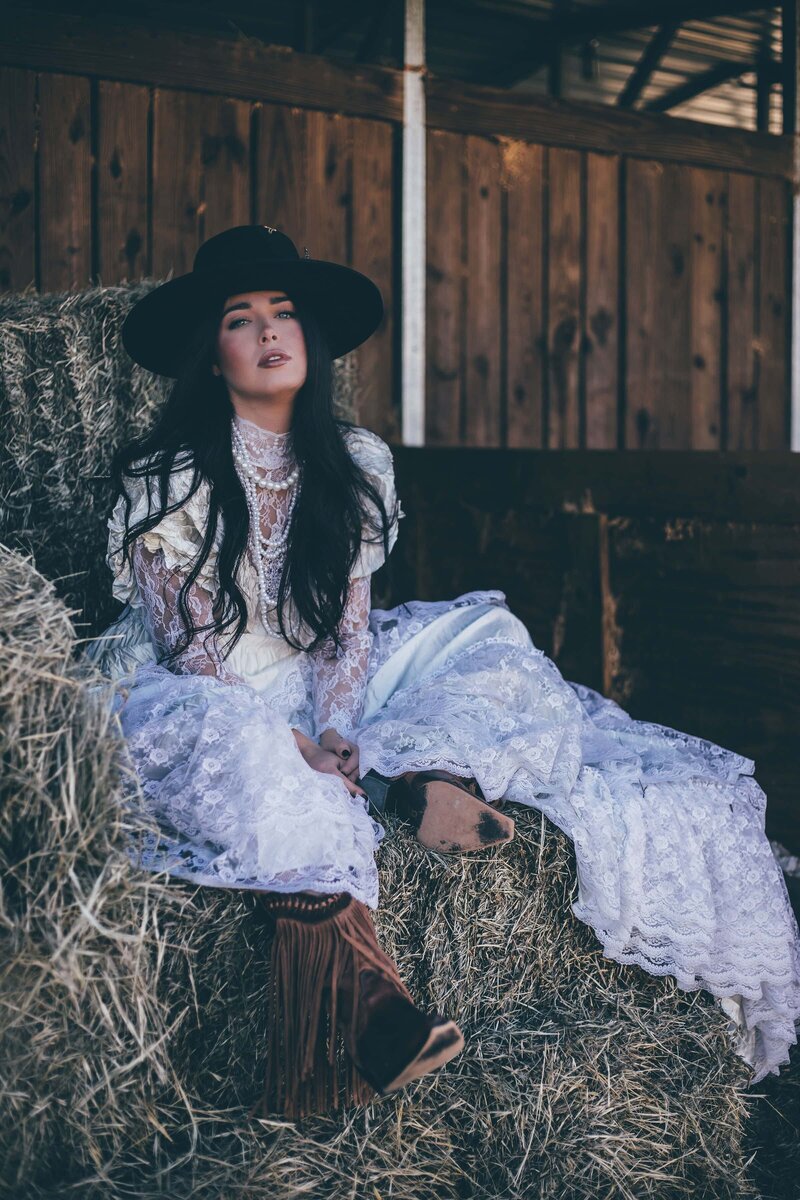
[(713, 62)]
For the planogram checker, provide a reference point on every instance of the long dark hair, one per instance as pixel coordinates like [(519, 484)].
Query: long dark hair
[(338, 504)]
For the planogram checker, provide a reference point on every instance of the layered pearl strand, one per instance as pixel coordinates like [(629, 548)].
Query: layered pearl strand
[(266, 553)]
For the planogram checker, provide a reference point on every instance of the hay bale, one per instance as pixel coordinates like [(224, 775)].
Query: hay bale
[(133, 1009), (84, 1027)]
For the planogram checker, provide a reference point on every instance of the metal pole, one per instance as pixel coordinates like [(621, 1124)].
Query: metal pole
[(791, 125), (414, 226)]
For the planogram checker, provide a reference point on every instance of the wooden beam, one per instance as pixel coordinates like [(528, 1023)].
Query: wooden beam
[(554, 75), (589, 64), (535, 48), (114, 49), (559, 10), (305, 26), (640, 75), (465, 108), (765, 77), (791, 127), (721, 72), (739, 485), (766, 74)]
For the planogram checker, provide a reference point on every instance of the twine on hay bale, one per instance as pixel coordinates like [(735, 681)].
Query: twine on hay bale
[(133, 1009)]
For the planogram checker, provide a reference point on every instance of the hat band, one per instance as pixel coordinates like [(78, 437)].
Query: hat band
[(239, 264)]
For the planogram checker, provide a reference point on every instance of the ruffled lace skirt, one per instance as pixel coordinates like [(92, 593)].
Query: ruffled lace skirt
[(675, 872)]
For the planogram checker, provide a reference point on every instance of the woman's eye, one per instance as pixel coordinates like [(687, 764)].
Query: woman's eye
[(285, 312)]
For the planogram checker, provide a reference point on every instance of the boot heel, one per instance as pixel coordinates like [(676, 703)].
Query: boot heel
[(398, 1042), (443, 1042)]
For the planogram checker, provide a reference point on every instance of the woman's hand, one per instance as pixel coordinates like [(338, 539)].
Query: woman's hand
[(327, 761), (346, 751)]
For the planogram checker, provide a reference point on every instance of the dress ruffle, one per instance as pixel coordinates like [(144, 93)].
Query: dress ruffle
[(236, 801), (375, 457), (675, 872), (179, 534)]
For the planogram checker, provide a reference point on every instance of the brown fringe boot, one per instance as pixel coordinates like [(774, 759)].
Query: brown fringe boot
[(331, 980)]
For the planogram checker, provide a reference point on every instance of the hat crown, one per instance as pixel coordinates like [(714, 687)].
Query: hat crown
[(248, 244)]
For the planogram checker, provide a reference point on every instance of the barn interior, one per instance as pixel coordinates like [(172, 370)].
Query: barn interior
[(582, 215)]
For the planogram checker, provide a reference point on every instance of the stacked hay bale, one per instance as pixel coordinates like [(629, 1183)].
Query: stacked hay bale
[(84, 1027), (133, 1008)]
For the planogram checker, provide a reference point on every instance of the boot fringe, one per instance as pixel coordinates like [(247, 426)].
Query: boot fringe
[(317, 949)]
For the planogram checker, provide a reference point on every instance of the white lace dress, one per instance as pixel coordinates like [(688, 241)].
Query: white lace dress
[(675, 871)]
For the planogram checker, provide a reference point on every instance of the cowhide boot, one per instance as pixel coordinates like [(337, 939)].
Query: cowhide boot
[(448, 813)]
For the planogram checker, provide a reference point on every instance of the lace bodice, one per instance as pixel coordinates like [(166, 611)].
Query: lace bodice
[(161, 560)]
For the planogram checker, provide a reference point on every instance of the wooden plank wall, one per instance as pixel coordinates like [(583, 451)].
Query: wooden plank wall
[(579, 299), (175, 167), (668, 582)]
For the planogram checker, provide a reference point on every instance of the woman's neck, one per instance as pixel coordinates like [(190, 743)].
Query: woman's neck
[(250, 424), (267, 446), (277, 420)]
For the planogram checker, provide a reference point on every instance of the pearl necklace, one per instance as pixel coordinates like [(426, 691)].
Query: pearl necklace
[(242, 457), (266, 553)]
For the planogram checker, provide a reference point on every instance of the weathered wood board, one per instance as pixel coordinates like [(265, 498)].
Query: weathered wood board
[(596, 279), (669, 582), (603, 301)]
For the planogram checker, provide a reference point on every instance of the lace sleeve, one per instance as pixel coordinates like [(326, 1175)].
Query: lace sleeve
[(375, 457), (159, 586), (339, 682)]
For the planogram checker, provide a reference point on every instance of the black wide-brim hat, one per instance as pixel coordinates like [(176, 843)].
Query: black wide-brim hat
[(249, 258)]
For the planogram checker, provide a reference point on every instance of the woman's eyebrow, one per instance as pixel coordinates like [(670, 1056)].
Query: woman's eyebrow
[(247, 304)]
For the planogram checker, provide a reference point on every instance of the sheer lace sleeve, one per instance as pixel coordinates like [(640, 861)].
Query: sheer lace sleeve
[(158, 586), (375, 457), (339, 682)]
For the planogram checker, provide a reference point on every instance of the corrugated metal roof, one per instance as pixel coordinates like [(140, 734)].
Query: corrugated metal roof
[(697, 46), (464, 35)]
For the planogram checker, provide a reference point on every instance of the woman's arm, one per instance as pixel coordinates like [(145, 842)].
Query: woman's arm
[(159, 587), (339, 682)]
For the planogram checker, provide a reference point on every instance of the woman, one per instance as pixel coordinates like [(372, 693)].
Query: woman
[(261, 688)]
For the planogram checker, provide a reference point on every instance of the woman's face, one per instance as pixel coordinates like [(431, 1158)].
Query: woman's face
[(254, 324)]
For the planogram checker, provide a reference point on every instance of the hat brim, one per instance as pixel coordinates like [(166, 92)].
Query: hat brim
[(158, 329)]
